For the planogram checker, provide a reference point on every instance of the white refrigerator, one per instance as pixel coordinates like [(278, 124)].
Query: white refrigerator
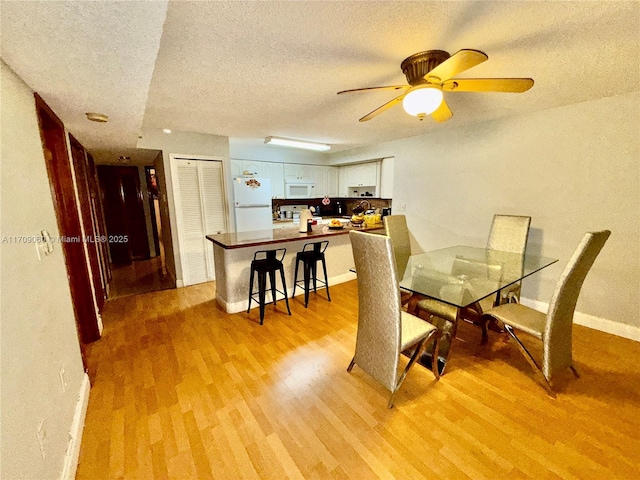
[(252, 201)]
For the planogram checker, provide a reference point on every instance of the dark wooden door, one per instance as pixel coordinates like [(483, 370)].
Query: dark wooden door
[(91, 231), (63, 193), (124, 213)]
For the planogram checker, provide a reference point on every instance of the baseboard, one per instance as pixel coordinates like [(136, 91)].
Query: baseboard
[(591, 321), (241, 306), (75, 432)]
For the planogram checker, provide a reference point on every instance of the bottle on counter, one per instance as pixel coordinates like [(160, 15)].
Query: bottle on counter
[(338, 208)]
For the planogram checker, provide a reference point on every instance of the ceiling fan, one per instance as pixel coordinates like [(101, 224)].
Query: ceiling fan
[(430, 73)]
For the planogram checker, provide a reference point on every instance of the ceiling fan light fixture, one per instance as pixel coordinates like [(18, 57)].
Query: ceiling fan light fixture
[(287, 142), (422, 100)]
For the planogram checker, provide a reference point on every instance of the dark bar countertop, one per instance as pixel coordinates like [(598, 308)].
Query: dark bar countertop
[(268, 237)]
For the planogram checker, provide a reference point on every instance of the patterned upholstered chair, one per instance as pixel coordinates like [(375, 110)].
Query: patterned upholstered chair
[(555, 328), (395, 227), (509, 233), (384, 329)]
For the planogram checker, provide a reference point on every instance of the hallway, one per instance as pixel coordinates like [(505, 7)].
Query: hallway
[(141, 276)]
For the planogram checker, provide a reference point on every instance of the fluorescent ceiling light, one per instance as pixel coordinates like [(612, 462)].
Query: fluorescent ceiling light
[(286, 142), (166, 130)]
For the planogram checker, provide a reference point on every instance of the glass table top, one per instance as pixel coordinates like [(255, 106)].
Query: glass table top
[(463, 275)]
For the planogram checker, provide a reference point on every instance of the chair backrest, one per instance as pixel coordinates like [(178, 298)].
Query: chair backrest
[(558, 329), (509, 233), (379, 325), (395, 227)]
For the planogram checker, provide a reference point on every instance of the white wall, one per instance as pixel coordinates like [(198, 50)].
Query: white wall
[(255, 149), (573, 169), (38, 334), (184, 143)]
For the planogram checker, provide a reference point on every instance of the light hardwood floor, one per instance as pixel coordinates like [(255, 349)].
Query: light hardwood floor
[(183, 390)]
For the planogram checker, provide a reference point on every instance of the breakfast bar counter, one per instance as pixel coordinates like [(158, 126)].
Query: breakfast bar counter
[(233, 253)]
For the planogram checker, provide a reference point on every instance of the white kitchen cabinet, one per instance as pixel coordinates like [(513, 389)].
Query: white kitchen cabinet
[(274, 172), (319, 178), (363, 175), (332, 181), (251, 167), (298, 172), (386, 177), (236, 168), (343, 181)]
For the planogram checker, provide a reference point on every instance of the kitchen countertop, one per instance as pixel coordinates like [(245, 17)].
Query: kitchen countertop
[(267, 237)]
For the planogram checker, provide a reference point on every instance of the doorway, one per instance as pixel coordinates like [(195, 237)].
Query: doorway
[(133, 231)]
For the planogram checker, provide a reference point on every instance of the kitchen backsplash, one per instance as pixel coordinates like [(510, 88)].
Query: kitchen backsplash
[(332, 209)]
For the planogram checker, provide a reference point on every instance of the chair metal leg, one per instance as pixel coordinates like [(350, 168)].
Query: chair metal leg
[(350, 367), (307, 279), (530, 359), (436, 349), (272, 281), (326, 280), (295, 278), (485, 334), (314, 274), (262, 287), (250, 289), (414, 357), (284, 289)]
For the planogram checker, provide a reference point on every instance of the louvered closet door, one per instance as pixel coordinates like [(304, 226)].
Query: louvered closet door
[(213, 203), (201, 212)]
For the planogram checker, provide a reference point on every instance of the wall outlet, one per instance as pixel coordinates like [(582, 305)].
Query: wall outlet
[(402, 207), (41, 435)]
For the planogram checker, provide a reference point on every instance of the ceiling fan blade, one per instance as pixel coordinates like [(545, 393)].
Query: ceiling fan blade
[(382, 108), (513, 85), (457, 63), (390, 87), (442, 113)]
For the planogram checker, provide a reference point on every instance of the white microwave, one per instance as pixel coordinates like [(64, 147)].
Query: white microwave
[(299, 190)]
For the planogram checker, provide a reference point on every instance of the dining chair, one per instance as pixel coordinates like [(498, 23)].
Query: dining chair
[(509, 233), (555, 328), (384, 329), (395, 227)]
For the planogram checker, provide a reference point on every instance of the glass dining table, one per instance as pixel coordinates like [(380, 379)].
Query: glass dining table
[(447, 282)]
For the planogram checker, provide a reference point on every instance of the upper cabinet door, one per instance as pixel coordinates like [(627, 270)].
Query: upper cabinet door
[(252, 168), (364, 174), (275, 172), (319, 177), (332, 182), (236, 168), (297, 172), (306, 172), (343, 181), (386, 177)]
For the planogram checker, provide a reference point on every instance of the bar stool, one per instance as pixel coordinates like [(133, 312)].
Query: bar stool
[(268, 264), (309, 256)]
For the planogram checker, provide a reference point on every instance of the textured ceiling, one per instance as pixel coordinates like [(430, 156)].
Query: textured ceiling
[(84, 56), (253, 69)]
